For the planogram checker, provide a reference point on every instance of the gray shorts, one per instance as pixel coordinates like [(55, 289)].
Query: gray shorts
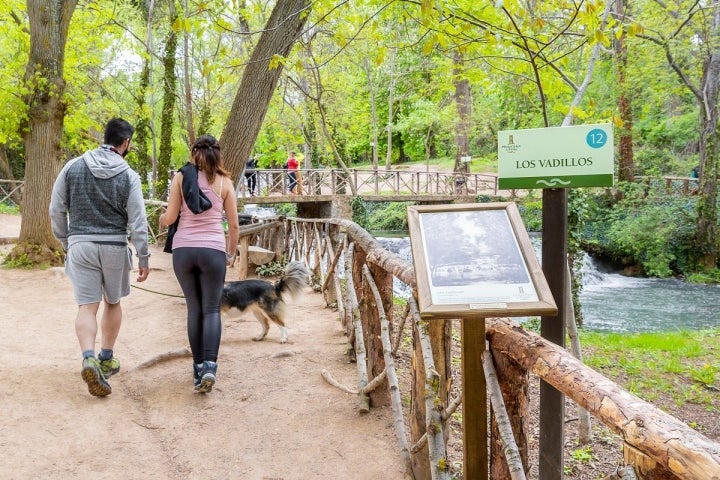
[(98, 270)]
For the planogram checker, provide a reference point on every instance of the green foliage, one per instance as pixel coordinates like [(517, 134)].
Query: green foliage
[(14, 53), (386, 216), (705, 374), (286, 209), (22, 261), (359, 212), (653, 231), (29, 256), (532, 324), (579, 457), (271, 269), (531, 213), (9, 209), (583, 454), (704, 277), (578, 212)]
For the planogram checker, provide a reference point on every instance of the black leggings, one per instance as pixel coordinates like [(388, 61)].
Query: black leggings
[(201, 274)]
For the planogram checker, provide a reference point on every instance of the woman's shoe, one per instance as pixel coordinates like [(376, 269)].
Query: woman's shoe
[(207, 377), (197, 369)]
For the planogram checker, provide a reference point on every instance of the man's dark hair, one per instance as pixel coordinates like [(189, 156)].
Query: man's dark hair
[(116, 131)]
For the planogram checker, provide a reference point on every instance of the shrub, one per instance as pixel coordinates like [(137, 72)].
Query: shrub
[(531, 213), (651, 231)]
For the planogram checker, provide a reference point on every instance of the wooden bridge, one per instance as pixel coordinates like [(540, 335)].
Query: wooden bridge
[(317, 185), (326, 185)]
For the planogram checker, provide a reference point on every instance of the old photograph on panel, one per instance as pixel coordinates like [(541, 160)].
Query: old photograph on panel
[(472, 256), (472, 247)]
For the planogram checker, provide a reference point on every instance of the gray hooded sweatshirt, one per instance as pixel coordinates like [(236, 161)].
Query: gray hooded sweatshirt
[(97, 197)]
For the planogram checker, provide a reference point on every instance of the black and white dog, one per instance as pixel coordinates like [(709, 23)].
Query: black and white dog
[(265, 299)]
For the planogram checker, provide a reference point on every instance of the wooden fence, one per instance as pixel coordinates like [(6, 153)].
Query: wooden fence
[(11, 192), (355, 274), (670, 185)]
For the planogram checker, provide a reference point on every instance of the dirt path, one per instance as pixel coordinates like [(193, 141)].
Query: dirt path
[(270, 416)]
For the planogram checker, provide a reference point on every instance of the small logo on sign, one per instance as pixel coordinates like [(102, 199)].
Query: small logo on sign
[(510, 146)]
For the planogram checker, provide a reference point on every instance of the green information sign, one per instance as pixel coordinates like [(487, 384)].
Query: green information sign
[(556, 157)]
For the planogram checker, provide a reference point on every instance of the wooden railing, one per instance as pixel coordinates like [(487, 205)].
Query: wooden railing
[(11, 191), (372, 182), (355, 275), (671, 185)]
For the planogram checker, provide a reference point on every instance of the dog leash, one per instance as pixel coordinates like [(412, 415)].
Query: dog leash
[(158, 293)]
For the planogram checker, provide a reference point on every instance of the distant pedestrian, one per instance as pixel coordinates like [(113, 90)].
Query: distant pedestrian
[(251, 175), (292, 168)]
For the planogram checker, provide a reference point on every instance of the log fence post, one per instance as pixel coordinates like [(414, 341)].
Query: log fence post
[(359, 340), (513, 381)]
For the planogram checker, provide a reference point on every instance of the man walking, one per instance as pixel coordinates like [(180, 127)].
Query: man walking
[(95, 208)]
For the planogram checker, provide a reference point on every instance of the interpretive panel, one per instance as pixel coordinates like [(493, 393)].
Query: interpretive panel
[(476, 260)]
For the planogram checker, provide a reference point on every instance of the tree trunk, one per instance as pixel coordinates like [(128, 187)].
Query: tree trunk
[(370, 319), (258, 82), (420, 459), (327, 133), (626, 166), (707, 94), (143, 130), (463, 104), (190, 124), (44, 81), (391, 113), (706, 234), (5, 169), (168, 110), (142, 162), (513, 380), (373, 112)]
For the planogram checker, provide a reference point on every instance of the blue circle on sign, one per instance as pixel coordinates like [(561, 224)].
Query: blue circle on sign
[(596, 138)]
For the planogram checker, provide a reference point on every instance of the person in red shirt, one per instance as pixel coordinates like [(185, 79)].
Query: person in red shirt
[(292, 167)]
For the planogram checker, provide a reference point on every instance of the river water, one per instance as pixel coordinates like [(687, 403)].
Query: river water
[(615, 303)]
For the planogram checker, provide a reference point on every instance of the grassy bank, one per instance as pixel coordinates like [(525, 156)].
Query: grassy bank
[(678, 372)]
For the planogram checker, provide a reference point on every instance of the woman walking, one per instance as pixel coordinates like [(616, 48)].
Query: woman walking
[(199, 193)]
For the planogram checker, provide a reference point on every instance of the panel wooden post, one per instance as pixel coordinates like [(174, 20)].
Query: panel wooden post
[(242, 257), (420, 459), (474, 400), (372, 328)]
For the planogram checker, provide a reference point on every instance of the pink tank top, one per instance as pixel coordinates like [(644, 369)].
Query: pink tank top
[(204, 229)]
